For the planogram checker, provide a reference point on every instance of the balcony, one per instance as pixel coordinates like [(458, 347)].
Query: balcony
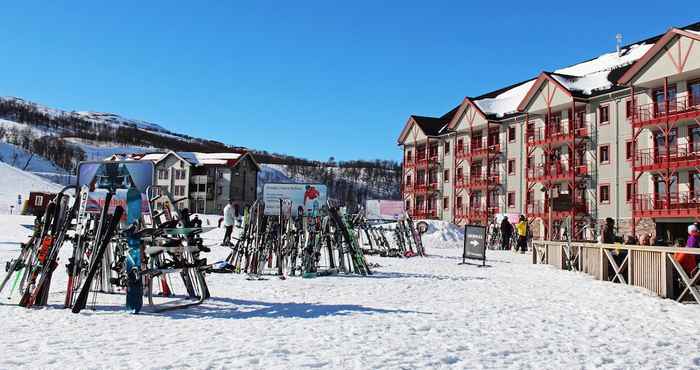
[(679, 204), (678, 109), (536, 209), (555, 133), (479, 150), (408, 188), (482, 181), (424, 214), (481, 213), (420, 188), (678, 157), (556, 172)]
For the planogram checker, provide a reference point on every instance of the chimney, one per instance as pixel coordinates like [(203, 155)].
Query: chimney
[(618, 37)]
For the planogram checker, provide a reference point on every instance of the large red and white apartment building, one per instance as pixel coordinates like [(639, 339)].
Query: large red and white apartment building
[(615, 136)]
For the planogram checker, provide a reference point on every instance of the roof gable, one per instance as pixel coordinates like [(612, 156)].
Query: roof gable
[(537, 86), (661, 45)]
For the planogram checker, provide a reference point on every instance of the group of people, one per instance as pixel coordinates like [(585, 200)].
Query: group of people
[(521, 230)]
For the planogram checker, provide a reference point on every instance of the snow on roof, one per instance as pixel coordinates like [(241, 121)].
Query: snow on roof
[(506, 102), (155, 157), (586, 84), (607, 62), (196, 158)]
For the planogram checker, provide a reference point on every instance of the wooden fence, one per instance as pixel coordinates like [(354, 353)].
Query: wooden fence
[(652, 268)]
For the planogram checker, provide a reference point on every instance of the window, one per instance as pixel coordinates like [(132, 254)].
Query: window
[(511, 167), (39, 200), (179, 190), (408, 180), (628, 109), (628, 151), (604, 114), (408, 205), (445, 203), (511, 199), (447, 147), (459, 202), (409, 155), (219, 190), (694, 93), (511, 134), (446, 175), (604, 194), (604, 154), (460, 174), (460, 145), (163, 174), (628, 192)]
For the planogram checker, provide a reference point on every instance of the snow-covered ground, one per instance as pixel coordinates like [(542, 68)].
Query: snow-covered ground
[(412, 313)]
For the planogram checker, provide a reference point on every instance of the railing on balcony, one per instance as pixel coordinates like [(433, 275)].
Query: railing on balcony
[(482, 181), (480, 212), (556, 171), (678, 204), (424, 214), (424, 188), (678, 156), (483, 148), (682, 107), (556, 131)]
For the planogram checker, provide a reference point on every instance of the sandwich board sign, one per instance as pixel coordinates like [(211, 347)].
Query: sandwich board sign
[(474, 243)]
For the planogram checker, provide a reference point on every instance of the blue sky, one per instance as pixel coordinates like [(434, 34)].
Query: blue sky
[(311, 78)]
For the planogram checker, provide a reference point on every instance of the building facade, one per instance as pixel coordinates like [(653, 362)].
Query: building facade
[(616, 136), (204, 182)]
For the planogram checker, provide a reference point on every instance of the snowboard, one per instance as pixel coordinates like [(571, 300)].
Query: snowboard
[(134, 288)]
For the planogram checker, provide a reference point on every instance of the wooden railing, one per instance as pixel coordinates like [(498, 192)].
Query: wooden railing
[(652, 268)]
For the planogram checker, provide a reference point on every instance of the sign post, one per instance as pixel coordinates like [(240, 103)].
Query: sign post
[(474, 243)]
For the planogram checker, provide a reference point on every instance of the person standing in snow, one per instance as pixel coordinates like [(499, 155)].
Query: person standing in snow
[(521, 228), (506, 233), (229, 221)]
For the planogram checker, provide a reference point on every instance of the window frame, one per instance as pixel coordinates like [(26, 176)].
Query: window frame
[(445, 202), (446, 175), (605, 106), (600, 193), (512, 139), (508, 204), (629, 150), (600, 159), (629, 196), (446, 148), (508, 168)]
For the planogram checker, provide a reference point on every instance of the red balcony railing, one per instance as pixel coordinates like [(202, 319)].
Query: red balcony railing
[(678, 204), (680, 108), (480, 213), (481, 150), (482, 181), (429, 161), (536, 208), (556, 132), (425, 188), (461, 213), (558, 171), (424, 214), (680, 156)]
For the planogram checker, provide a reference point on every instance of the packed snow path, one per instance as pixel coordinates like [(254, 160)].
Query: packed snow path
[(413, 313)]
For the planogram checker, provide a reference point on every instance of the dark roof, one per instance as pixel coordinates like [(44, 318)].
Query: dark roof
[(434, 126)]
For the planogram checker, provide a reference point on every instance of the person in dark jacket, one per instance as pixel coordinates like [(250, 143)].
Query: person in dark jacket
[(609, 231), (506, 233)]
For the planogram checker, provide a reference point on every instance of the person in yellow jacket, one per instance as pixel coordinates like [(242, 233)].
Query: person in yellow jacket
[(521, 229)]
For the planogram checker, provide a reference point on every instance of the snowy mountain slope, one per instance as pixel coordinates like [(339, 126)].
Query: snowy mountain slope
[(14, 182), (98, 150), (20, 158)]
